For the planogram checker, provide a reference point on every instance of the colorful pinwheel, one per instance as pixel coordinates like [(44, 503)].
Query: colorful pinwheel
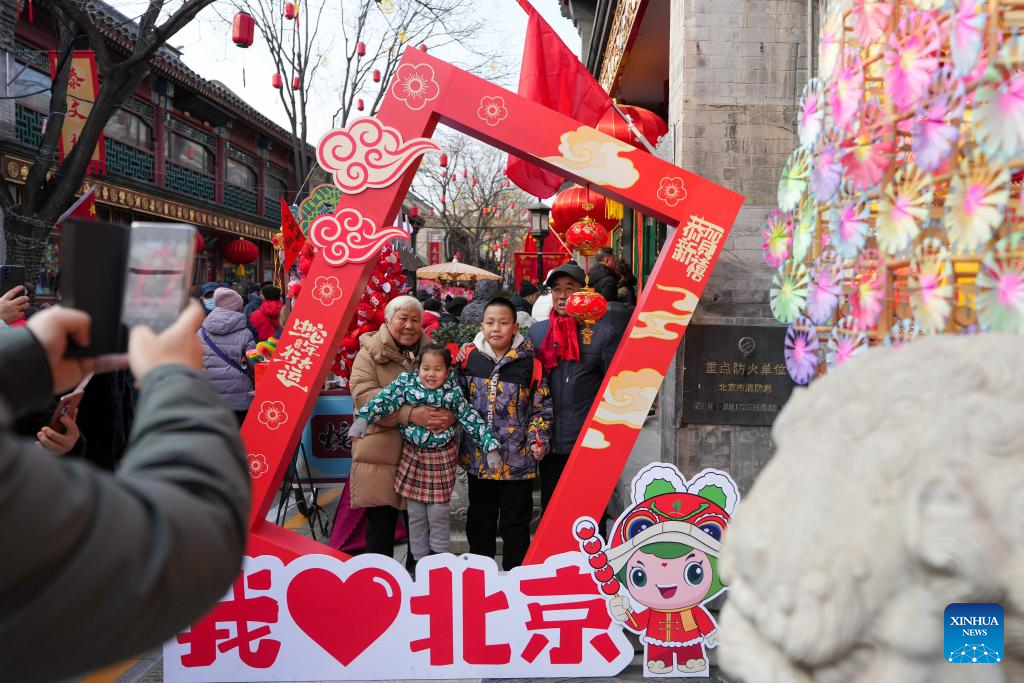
[(831, 32), (812, 114), (1000, 287), (934, 133), (867, 154), (826, 286), (868, 294), (848, 224), (778, 237), (793, 183), (999, 115), (789, 291), (902, 332), (931, 285), (903, 209), (844, 342), (870, 19), (827, 171), (967, 35), (846, 90), (805, 226), (977, 197), (912, 58), (801, 350)]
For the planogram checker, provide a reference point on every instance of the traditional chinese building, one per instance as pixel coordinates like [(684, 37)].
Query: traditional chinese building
[(181, 148), (727, 77)]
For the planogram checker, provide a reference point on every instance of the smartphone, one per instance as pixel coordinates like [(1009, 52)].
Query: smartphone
[(159, 274), (67, 405), (11, 277), (94, 255)]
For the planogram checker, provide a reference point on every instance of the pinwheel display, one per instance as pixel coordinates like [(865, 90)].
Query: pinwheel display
[(1000, 287), (825, 288), (845, 341), (778, 237), (905, 221), (977, 197), (931, 285), (812, 114), (848, 224), (793, 182), (801, 350), (868, 296), (789, 291), (903, 209), (902, 332)]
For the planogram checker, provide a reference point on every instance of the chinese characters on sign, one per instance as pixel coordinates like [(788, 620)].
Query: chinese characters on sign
[(319, 618), (83, 87), (734, 375), (297, 357), (695, 246)]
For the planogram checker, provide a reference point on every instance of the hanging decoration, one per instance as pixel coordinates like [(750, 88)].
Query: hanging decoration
[(376, 75), (296, 83), (243, 29), (587, 307), (361, 49), (899, 211), (241, 252), (650, 125), (572, 204), (277, 81), (289, 10)]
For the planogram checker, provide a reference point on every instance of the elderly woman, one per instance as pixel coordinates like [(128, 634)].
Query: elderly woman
[(383, 356)]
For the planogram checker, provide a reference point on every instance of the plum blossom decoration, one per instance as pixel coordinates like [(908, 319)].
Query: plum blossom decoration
[(671, 190), (492, 110), (258, 465), (272, 414), (414, 84), (326, 290)]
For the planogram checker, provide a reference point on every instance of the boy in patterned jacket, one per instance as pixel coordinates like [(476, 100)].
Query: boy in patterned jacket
[(505, 384), (426, 470)]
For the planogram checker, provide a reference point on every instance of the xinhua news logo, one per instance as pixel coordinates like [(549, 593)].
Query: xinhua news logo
[(974, 633)]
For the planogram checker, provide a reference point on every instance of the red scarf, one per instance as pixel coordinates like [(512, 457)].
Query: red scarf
[(560, 343)]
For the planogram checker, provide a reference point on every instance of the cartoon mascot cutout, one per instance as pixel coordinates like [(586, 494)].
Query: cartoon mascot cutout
[(663, 556)]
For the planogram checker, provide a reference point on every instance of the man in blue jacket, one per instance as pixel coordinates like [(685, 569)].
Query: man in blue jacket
[(574, 370)]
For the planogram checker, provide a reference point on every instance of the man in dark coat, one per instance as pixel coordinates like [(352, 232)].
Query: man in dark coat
[(574, 370), (527, 296), (603, 277)]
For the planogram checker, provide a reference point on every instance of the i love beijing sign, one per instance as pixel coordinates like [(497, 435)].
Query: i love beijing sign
[(303, 611)]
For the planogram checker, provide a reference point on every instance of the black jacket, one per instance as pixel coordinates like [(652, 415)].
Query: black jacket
[(605, 281), (521, 304), (574, 384)]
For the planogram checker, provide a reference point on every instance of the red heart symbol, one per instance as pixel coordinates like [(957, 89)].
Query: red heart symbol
[(317, 600)]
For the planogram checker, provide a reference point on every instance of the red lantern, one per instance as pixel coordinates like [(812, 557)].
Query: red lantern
[(504, 242), (289, 10), (571, 205), (414, 212), (277, 81), (442, 199), (376, 75), (465, 172), (443, 161), (422, 47), (200, 243), (361, 48), (586, 236), (474, 182), (646, 121), (587, 307), (242, 27), (240, 252), (295, 83), (359, 104)]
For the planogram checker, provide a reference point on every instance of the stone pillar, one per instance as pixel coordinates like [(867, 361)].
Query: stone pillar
[(736, 70)]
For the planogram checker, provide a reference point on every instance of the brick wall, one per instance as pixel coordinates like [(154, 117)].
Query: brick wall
[(7, 117), (736, 72)]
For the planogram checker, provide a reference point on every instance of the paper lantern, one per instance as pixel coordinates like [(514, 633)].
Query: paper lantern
[(442, 199), (422, 47), (361, 49), (473, 183), (296, 83), (200, 243), (241, 251), (414, 212), (376, 75), (359, 104), (572, 204), (277, 81), (289, 10), (586, 236), (587, 307), (443, 161), (646, 121), (242, 29)]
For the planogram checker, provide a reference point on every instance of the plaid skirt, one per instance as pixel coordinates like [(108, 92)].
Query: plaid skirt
[(427, 475)]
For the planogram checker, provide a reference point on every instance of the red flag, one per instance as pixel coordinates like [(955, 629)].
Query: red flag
[(293, 238), (84, 207), (552, 75)]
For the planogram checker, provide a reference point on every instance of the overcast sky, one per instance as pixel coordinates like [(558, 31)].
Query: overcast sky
[(207, 49)]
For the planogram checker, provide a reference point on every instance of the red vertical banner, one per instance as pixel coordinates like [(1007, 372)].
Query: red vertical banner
[(433, 252), (83, 89)]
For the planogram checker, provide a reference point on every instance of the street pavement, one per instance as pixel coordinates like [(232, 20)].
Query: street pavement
[(148, 668)]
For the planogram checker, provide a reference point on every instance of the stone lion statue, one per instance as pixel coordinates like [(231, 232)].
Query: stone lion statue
[(897, 489)]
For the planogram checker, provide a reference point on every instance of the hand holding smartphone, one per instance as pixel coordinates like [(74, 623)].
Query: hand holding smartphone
[(68, 405)]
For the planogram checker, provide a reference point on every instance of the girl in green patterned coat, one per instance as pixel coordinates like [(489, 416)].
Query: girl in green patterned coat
[(426, 471)]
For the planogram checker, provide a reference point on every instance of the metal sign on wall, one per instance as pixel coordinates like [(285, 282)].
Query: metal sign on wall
[(734, 374)]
